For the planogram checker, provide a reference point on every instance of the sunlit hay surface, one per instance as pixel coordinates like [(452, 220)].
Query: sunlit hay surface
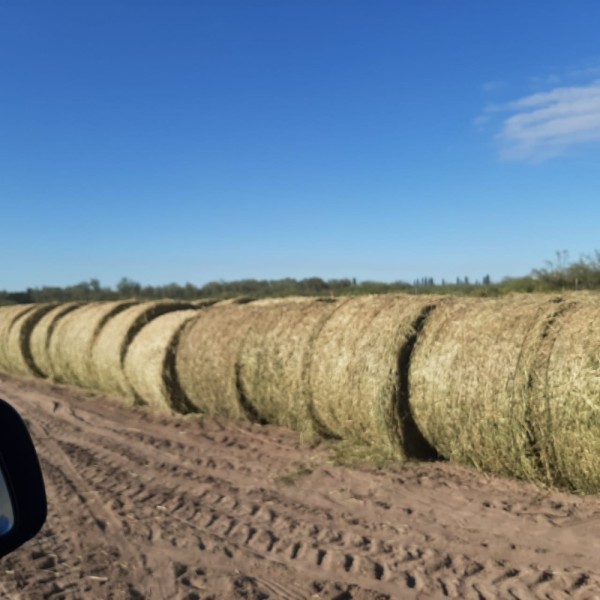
[(8, 315), (150, 362), (356, 376), (275, 356), (474, 379), (72, 341), (41, 334), (572, 392), (18, 353), (110, 346), (208, 357)]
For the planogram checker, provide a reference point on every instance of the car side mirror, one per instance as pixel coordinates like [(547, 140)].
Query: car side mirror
[(22, 492)]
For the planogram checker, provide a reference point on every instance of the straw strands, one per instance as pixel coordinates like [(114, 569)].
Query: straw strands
[(8, 315), (41, 334), (475, 376), (357, 373), (150, 362), (73, 338), (111, 344)]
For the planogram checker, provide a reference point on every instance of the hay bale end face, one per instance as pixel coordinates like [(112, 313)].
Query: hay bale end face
[(73, 338), (18, 352), (571, 440), (357, 373), (41, 334), (150, 362), (274, 357), (8, 315), (111, 345), (473, 375)]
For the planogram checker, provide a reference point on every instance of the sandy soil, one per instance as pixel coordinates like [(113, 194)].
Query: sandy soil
[(143, 505)]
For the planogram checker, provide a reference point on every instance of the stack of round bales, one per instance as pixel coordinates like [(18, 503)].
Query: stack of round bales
[(8, 315), (113, 341), (357, 375), (72, 341), (275, 356), (149, 362), (476, 383), (571, 433), (42, 333), (19, 354)]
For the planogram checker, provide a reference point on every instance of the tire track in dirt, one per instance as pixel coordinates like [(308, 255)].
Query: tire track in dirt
[(144, 505)]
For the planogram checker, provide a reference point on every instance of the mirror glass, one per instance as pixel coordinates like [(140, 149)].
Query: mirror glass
[(7, 518)]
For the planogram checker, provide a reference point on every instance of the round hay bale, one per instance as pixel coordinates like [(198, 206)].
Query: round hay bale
[(71, 343), (18, 352), (150, 362), (41, 334), (8, 315), (474, 376), (357, 374), (208, 357), (274, 359), (571, 433), (110, 346)]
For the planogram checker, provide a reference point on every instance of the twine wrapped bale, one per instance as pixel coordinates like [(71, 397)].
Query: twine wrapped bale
[(8, 315), (274, 359), (111, 344), (474, 376), (357, 374), (571, 434), (72, 341), (150, 362), (41, 334), (18, 352)]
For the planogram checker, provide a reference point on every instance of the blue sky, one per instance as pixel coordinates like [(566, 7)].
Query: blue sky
[(189, 141)]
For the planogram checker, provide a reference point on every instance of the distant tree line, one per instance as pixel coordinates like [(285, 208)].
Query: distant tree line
[(558, 275)]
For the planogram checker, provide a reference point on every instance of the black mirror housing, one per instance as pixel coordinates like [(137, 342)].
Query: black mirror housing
[(23, 480)]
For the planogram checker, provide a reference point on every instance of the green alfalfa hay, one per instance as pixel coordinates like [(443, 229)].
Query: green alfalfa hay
[(8, 315), (208, 357), (150, 362), (474, 379), (274, 357), (357, 374), (111, 344), (73, 338), (18, 352), (570, 437), (42, 333)]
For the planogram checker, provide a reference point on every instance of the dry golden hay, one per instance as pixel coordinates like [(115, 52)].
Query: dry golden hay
[(274, 360), (474, 380), (150, 362), (41, 334), (70, 349), (570, 437), (18, 352), (110, 346), (358, 374), (8, 315), (208, 356)]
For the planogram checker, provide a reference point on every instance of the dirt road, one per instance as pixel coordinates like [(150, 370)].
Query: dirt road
[(143, 505)]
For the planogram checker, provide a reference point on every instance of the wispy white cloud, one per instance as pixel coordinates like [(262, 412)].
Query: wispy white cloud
[(548, 124)]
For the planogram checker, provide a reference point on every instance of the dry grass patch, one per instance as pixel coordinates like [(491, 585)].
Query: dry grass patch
[(150, 362), (113, 340)]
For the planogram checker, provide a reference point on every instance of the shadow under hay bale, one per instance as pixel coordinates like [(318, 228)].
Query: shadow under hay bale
[(357, 374), (8, 315), (71, 344), (474, 377), (111, 344), (274, 359), (41, 334), (18, 352), (149, 362)]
